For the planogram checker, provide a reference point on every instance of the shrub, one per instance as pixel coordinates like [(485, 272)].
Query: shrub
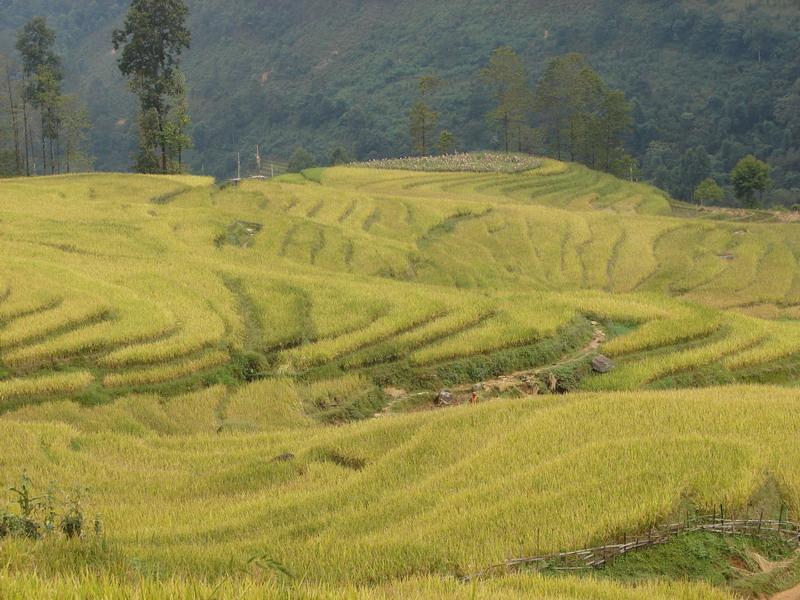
[(71, 524), (38, 515), (447, 143), (340, 157), (300, 161), (250, 366)]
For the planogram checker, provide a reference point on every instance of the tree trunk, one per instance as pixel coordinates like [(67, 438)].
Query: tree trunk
[(25, 133), (17, 152), (505, 126), (163, 143), (424, 137), (58, 150), (44, 153), (572, 140), (558, 143)]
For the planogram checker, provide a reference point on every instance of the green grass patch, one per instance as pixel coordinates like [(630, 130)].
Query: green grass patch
[(725, 561), (482, 367)]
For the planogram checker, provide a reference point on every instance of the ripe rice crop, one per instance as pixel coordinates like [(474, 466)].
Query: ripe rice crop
[(322, 288), (738, 334), (166, 372), (58, 384), (430, 588), (621, 460), (410, 313), (517, 321), (162, 295)]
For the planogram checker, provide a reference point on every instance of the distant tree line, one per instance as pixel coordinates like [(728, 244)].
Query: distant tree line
[(302, 159), (689, 119), (571, 114), (718, 79), (43, 130), (707, 84)]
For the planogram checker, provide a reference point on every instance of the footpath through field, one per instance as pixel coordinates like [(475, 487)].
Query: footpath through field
[(522, 381), (790, 594)]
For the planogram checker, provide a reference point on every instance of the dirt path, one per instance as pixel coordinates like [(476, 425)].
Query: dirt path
[(767, 566), (791, 594), (395, 395), (525, 382)]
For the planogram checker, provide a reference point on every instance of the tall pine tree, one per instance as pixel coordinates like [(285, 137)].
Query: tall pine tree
[(579, 117), (43, 76), (152, 39), (423, 118), (508, 81)]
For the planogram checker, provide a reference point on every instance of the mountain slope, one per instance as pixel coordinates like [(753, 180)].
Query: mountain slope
[(282, 74)]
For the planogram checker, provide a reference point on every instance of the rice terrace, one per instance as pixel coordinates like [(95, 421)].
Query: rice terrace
[(514, 359)]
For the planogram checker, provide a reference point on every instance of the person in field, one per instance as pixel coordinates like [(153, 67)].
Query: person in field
[(474, 398)]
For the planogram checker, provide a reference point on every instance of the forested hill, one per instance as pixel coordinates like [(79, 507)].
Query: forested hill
[(717, 78)]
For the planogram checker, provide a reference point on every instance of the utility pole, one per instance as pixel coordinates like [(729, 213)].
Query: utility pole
[(258, 159), (272, 170), (238, 165)]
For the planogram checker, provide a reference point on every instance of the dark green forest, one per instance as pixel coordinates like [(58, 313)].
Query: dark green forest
[(709, 82)]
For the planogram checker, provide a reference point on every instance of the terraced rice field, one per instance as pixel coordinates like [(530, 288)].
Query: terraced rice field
[(145, 283), (171, 336)]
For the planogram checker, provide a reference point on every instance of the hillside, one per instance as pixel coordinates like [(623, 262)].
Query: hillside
[(389, 275), (242, 378), (702, 75)]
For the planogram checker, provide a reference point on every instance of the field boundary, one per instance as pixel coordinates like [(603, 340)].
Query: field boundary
[(598, 556)]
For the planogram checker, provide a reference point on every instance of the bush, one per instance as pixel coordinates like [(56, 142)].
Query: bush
[(16, 526), (567, 377), (300, 161), (340, 157), (38, 515), (72, 522), (250, 366), (447, 143)]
